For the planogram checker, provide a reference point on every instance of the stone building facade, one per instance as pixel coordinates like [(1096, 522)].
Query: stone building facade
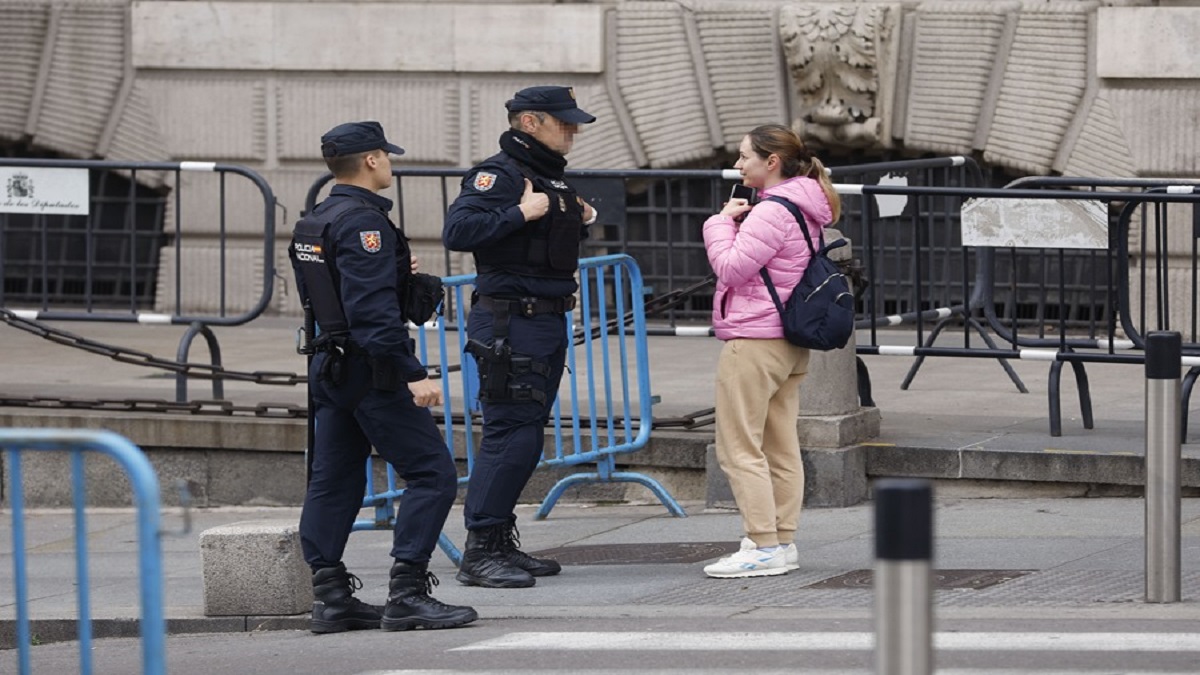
[(1072, 87)]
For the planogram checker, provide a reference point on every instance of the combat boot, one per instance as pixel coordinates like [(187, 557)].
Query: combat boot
[(335, 609), (510, 549), (409, 604), (484, 562)]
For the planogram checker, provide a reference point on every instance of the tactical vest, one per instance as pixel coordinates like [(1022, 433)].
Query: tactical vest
[(547, 247), (316, 263)]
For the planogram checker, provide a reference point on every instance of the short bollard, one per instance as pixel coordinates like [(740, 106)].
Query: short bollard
[(903, 577), (1163, 439)]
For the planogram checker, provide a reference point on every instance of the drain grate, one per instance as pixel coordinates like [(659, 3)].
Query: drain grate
[(942, 579), (633, 554)]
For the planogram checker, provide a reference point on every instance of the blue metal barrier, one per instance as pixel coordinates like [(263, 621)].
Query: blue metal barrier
[(144, 483), (603, 407)]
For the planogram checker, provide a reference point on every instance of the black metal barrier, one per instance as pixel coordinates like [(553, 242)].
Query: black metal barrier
[(904, 221), (88, 248), (1086, 323), (655, 216), (1043, 302), (1079, 340)]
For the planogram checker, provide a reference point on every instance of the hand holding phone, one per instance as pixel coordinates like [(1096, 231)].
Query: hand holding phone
[(741, 198), (746, 192)]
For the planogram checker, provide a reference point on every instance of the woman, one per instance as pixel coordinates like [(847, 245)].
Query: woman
[(759, 372)]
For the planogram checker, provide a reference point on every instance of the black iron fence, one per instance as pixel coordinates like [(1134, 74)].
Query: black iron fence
[(93, 240), (103, 259), (655, 216)]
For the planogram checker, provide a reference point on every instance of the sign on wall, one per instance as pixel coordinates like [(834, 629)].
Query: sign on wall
[(45, 191), (1035, 223)]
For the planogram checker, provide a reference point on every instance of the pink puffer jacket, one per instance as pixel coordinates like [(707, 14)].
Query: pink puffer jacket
[(768, 236)]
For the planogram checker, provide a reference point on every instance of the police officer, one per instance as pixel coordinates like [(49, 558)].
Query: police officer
[(523, 222), (367, 389)]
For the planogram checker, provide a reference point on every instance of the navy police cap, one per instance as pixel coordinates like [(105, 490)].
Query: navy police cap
[(355, 137), (558, 101)]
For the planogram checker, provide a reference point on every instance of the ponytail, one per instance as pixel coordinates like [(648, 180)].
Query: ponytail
[(817, 172)]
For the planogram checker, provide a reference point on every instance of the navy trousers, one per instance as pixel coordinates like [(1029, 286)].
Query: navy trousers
[(514, 433), (350, 419)]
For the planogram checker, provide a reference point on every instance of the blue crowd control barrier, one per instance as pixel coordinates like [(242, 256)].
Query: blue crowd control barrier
[(144, 484), (621, 434), (604, 404)]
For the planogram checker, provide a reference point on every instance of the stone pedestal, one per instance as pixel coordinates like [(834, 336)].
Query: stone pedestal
[(254, 568)]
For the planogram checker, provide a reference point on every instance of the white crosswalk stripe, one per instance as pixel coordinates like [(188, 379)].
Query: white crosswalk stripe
[(836, 641), (691, 670)]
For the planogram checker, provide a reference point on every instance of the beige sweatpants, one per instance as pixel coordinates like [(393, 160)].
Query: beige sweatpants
[(758, 400)]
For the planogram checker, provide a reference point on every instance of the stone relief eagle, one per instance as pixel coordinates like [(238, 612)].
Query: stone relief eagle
[(832, 57)]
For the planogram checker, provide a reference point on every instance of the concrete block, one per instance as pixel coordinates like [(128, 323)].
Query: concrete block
[(47, 478), (838, 431), (254, 568), (833, 477), (433, 37), (1147, 42)]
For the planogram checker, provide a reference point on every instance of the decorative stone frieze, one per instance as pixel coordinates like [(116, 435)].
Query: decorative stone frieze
[(1042, 90), (958, 52), (656, 77), (842, 57)]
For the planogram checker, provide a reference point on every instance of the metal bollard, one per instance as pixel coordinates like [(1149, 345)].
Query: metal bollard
[(1163, 439), (903, 577)]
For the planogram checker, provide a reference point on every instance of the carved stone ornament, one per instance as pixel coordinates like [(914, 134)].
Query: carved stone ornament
[(841, 59)]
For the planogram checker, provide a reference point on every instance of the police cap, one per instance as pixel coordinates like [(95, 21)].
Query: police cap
[(355, 137), (558, 101)]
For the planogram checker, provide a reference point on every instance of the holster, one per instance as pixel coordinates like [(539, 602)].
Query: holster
[(385, 371), (494, 362), (333, 370)]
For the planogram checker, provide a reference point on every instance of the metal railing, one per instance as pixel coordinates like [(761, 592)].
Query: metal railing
[(1119, 331), (144, 484), (655, 216), (604, 403), (100, 260)]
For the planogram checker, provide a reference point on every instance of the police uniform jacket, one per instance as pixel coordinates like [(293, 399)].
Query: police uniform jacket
[(371, 257), (486, 218)]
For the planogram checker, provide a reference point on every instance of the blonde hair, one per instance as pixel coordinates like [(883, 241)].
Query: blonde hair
[(795, 159)]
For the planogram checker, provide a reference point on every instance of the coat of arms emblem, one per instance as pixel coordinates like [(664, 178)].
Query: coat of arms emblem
[(20, 186), (371, 241)]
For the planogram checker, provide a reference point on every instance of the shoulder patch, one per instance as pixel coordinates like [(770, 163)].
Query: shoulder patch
[(371, 241), (484, 181)]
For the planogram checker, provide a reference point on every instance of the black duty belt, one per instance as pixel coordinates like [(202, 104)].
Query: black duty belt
[(527, 306)]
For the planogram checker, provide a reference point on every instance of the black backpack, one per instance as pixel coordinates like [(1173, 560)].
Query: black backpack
[(820, 313)]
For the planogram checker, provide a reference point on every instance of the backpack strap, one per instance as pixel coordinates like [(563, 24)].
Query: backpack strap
[(803, 224), (799, 217)]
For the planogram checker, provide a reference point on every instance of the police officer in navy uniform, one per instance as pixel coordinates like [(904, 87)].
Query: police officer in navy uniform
[(523, 222), (367, 389)]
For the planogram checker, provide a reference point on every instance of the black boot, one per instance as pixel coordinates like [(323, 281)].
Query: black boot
[(484, 562), (510, 548), (335, 609), (410, 606)]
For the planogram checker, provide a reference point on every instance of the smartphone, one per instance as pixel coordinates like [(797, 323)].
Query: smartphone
[(744, 192)]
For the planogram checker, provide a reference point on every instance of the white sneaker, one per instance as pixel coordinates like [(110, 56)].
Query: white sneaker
[(791, 557), (749, 562)]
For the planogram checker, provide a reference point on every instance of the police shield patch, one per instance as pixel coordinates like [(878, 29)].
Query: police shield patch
[(484, 181), (371, 241)]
